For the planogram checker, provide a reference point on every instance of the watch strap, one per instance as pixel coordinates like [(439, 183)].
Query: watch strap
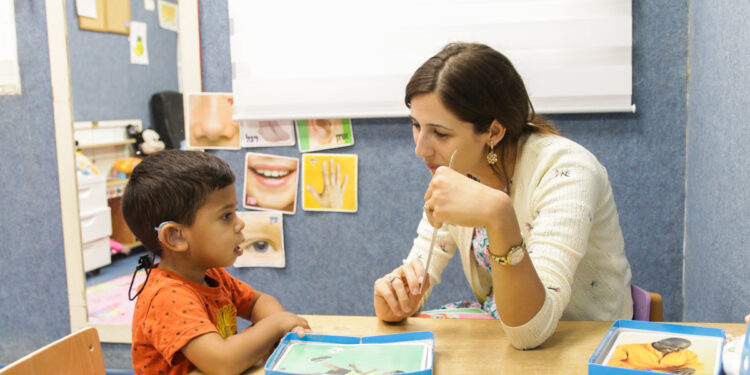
[(514, 256)]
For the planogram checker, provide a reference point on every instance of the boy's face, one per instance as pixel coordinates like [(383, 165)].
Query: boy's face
[(216, 233)]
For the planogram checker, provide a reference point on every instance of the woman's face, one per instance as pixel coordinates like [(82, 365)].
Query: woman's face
[(211, 122), (271, 182), (438, 132)]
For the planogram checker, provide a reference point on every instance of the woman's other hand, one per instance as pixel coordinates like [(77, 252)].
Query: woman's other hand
[(397, 295)]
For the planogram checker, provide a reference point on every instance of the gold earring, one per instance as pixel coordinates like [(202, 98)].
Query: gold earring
[(491, 156)]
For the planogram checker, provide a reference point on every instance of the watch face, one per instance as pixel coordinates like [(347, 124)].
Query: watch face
[(515, 256)]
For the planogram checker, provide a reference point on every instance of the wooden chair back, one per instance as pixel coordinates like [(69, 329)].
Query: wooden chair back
[(79, 353)]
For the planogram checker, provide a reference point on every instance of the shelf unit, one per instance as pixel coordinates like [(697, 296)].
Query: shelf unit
[(103, 142)]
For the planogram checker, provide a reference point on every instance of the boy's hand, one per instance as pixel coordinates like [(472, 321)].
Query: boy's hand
[(301, 331), (290, 322)]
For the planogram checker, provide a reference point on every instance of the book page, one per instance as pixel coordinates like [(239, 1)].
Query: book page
[(372, 359)]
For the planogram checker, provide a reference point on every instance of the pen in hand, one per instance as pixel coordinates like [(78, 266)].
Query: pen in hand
[(434, 237)]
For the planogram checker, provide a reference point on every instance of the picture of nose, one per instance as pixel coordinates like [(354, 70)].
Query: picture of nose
[(214, 130), (210, 123)]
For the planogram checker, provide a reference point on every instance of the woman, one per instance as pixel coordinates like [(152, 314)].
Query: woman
[(531, 213)]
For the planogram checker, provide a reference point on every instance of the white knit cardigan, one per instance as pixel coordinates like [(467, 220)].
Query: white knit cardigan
[(565, 208)]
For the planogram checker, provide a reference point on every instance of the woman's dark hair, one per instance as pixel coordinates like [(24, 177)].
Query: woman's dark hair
[(478, 85), (170, 185)]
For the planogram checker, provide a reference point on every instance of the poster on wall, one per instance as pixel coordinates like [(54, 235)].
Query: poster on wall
[(329, 182), (323, 134), (208, 121), (138, 43), (10, 77), (168, 15), (270, 183), (264, 240), (86, 8), (269, 133)]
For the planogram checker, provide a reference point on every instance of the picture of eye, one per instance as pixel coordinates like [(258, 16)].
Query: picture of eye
[(258, 246), (264, 241)]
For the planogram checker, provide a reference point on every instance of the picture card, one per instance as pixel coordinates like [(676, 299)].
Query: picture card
[(329, 182), (208, 121), (138, 40), (267, 133), (168, 13), (636, 349), (264, 240), (408, 353), (322, 134), (381, 359), (270, 182)]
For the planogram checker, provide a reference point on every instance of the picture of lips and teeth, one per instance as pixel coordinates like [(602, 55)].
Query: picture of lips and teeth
[(270, 182)]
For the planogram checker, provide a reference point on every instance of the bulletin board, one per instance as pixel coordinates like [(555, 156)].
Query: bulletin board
[(112, 16)]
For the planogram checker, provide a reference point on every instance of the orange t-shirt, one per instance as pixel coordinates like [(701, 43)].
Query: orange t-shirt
[(172, 310), (646, 357)]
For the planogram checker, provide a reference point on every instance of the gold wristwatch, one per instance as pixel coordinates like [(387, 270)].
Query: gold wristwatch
[(514, 256)]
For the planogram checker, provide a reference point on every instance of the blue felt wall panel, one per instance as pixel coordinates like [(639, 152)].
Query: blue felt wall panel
[(33, 293), (718, 172)]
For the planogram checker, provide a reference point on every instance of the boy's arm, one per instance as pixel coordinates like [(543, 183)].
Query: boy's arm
[(263, 306), (213, 354)]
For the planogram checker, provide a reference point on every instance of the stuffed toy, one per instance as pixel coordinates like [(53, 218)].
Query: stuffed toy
[(84, 165), (146, 142), (122, 168)]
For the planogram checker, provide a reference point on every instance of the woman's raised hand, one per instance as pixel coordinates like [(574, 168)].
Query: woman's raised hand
[(453, 198)]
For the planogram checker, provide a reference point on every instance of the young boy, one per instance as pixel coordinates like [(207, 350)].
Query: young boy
[(181, 206)]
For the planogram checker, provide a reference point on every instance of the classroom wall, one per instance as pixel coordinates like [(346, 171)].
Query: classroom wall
[(106, 86), (33, 294), (333, 258), (718, 169)]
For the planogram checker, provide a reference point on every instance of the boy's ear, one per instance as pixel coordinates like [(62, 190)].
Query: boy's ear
[(171, 238)]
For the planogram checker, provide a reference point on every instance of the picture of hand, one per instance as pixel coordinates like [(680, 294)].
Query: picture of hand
[(330, 182), (332, 195)]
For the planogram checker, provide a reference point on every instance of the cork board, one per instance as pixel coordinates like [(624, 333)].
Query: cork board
[(113, 16)]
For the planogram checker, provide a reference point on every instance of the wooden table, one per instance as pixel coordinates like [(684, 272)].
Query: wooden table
[(466, 346)]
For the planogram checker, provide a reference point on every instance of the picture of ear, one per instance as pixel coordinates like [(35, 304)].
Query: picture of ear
[(264, 240), (321, 134)]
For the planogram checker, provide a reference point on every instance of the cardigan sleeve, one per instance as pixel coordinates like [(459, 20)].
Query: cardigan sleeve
[(445, 248), (566, 188)]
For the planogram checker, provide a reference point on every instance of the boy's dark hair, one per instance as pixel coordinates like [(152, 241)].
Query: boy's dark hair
[(170, 185)]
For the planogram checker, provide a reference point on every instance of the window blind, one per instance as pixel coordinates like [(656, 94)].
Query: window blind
[(10, 78), (295, 59)]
